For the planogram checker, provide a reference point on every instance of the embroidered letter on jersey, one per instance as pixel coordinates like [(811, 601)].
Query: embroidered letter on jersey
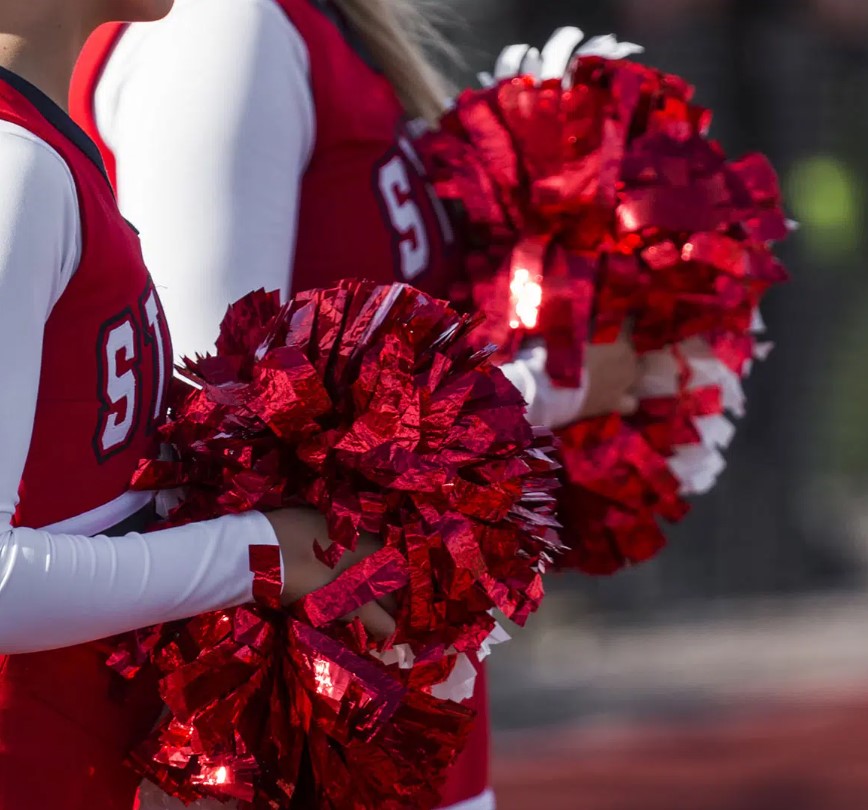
[(118, 384), (403, 217), (122, 342)]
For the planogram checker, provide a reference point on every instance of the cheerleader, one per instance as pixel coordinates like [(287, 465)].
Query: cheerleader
[(264, 143), (85, 359)]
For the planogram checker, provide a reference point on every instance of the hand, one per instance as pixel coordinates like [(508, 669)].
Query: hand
[(611, 372), (303, 573)]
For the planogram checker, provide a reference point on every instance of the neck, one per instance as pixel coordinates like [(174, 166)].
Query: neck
[(42, 47)]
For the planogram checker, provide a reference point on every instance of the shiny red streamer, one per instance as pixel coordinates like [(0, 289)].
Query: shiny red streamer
[(606, 188), (371, 405)]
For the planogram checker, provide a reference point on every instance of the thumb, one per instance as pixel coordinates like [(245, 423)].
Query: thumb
[(375, 620), (628, 404)]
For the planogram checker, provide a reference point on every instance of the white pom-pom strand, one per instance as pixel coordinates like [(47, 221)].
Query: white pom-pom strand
[(698, 466)]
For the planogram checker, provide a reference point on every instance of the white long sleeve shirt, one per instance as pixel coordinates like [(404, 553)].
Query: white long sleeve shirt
[(211, 119), (59, 589)]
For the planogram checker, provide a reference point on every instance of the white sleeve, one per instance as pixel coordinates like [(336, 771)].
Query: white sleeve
[(547, 404), (210, 116), (58, 590)]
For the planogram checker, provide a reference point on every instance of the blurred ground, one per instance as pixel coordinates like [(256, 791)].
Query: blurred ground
[(806, 756), (760, 706)]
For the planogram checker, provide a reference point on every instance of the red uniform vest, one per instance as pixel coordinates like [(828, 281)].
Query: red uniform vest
[(66, 721), (366, 210)]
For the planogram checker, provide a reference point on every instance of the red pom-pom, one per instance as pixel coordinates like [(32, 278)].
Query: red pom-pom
[(597, 204), (371, 405), (266, 710)]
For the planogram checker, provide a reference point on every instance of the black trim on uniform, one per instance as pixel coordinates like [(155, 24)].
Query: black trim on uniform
[(56, 116), (349, 33)]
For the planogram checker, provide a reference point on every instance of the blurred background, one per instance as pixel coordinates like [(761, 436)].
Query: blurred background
[(731, 673)]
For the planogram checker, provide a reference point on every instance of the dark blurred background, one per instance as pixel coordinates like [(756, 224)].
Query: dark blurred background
[(733, 671)]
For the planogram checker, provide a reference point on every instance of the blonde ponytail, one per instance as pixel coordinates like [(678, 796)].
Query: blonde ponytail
[(399, 36)]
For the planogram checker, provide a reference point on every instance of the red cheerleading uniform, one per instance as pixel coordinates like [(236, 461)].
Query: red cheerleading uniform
[(67, 721), (365, 210)]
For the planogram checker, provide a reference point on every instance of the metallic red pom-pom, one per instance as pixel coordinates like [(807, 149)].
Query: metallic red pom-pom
[(595, 204), (371, 405)]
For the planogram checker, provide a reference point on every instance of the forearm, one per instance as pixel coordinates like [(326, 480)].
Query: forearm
[(61, 590)]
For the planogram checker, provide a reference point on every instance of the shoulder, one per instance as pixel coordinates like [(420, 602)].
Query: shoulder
[(241, 64), (228, 26), (32, 170), (202, 46), (40, 222)]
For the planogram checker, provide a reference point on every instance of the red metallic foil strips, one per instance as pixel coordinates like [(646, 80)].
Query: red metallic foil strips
[(604, 188), (371, 405), (270, 712)]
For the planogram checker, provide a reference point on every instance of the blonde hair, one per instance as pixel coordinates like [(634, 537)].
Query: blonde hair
[(400, 37)]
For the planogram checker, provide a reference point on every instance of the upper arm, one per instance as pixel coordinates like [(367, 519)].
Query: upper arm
[(40, 244), (212, 131)]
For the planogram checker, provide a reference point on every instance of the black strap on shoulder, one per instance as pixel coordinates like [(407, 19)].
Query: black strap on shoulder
[(55, 116)]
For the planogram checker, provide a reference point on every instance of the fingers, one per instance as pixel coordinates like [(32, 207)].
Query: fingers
[(628, 404), (612, 371), (365, 547), (375, 616), (559, 50), (375, 620), (389, 603), (626, 334)]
